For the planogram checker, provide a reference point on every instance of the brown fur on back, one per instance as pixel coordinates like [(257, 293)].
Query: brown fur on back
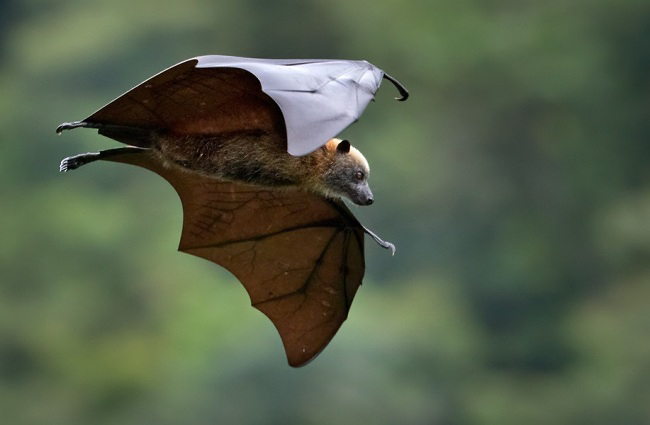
[(252, 157)]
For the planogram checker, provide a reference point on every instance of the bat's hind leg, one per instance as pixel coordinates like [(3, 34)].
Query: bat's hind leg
[(74, 162)]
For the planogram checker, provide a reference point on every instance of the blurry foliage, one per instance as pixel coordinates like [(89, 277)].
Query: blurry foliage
[(514, 183)]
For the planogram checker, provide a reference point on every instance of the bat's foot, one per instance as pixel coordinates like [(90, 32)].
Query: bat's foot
[(74, 162)]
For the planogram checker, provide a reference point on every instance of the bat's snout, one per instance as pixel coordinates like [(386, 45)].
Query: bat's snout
[(361, 195)]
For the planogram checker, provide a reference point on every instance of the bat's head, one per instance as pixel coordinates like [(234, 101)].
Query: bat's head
[(348, 174)]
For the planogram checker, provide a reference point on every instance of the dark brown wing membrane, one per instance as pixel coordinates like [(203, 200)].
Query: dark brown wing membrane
[(188, 100), (299, 256)]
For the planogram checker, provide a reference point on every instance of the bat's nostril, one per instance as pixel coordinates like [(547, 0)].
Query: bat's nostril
[(370, 201)]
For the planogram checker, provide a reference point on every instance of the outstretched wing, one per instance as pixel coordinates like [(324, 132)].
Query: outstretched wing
[(318, 98), (299, 256), (307, 102), (187, 100)]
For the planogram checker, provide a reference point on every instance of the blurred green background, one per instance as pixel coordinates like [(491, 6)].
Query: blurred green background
[(514, 182)]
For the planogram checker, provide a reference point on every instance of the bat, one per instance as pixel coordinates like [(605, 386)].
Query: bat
[(249, 146)]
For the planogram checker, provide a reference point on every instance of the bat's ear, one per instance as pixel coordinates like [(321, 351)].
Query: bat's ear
[(343, 147)]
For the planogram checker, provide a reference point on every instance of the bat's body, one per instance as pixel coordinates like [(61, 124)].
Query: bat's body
[(248, 145), (336, 169)]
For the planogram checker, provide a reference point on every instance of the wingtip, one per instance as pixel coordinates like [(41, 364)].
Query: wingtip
[(296, 364)]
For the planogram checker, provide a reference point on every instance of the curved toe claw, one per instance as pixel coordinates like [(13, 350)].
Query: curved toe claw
[(67, 164)]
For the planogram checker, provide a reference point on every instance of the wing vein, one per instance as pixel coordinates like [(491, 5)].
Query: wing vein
[(308, 281), (325, 224)]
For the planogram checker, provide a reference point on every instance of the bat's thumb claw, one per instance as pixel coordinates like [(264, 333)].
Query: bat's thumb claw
[(69, 126), (400, 88), (386, 245), (382, 243)]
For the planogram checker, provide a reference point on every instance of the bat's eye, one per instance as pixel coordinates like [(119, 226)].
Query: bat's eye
[(359, 176)]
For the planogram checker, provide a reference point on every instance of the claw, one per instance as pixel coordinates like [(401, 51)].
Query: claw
[(73, 162), (382, 243), (70, 126), (400, 88), (64, 166)]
